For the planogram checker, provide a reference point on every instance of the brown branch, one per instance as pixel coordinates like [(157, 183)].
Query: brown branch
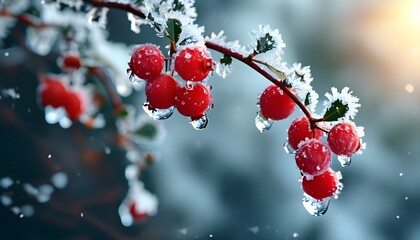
[(121, 6), (106, 82)]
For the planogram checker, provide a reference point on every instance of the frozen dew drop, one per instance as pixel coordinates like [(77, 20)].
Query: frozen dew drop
[(315, 207), (263, 124), (288, 148), (134, 79), (158, 114), (200, 123), (60, 180), (344, 160), (54, 115)]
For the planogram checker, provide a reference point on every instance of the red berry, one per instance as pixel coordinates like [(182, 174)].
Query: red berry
[(136, 214), (161, 91), (74, 105), (71, 62), (322, 186), (299, 130), (275, 104), (343, 139), (52, 92), (146, 61), (193, 100), (193, 63), (313, 157)]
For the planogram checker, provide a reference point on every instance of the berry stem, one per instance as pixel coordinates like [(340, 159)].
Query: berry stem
[(115, 98), (251, 63), (247, 60)]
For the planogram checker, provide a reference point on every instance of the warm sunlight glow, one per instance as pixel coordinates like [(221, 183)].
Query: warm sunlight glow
[(414, 12), (409, 88)]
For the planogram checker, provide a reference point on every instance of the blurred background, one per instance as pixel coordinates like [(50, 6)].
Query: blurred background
[(229, 181)]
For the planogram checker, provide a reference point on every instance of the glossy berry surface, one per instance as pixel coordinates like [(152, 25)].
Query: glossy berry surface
[(275, 104), (343, 139), (74, 106), (299, 130), (52, 93), (161, 91), (136, 214), (322, 186), (146, 61), (193, 100), (193, 63), (313, 157), (71, 62)]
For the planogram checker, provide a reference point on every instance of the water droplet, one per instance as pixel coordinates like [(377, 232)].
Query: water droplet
[(158, 114), (288, 148), (53, 115), (134, 79), (81, 215), (401, 174), (262, 123), (406, 198), (315, 207), (344, 160), (200, 123), (49, 155)]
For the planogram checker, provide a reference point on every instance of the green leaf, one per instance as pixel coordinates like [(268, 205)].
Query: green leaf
[(265, 44), (307, 99), (123, 113), (335, 111), (178, 6), (174, 29), (226, 60), (148, 130)]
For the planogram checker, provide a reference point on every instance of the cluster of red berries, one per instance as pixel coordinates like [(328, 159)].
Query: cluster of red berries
[(193, 64), (313, 155), (54, 93)]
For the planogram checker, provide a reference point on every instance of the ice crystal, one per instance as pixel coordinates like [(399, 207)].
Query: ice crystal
[(300, 78), (346, 98), (273, 55), (135, 22)]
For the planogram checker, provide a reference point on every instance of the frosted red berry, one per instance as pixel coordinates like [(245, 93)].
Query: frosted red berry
[(71, 61), (52, 92), (321, 186), (313, 157), (136, 214), (343, 139), (74, 105), (161, 91), (146, 61), (193, 63), (299, 130), (276, 104), (193, 100)]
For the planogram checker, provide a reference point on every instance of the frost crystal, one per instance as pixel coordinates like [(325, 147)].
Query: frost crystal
[(346, 98), (273, 53), (99, 16), (136, 22), (234, 46), (300, 78)]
